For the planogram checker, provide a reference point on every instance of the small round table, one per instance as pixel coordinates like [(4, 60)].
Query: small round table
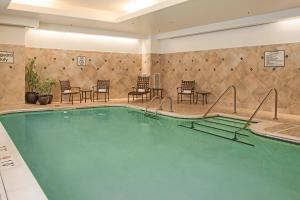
[(156, 92), (204, 97), (84, 94)]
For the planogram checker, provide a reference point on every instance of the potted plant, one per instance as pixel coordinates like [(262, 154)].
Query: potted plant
[(32, 80), (49, 85), (43, 92), (45, 87)]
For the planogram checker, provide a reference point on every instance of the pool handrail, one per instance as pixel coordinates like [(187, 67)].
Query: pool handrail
[(151, 102), (221, 96), (262, 103), (163, 101)]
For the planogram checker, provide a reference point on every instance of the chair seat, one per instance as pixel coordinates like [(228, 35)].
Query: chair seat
[(137, 93), (69, 92), (101, 91)]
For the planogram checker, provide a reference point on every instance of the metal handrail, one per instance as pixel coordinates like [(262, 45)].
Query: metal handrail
[(221, 96), (151, 102), (262, 103), (163, 101)]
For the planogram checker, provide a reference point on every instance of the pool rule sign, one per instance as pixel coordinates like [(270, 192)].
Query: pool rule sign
[(6, 57), (275, 58)]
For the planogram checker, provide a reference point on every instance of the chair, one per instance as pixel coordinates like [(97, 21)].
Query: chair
[(102, 87), (141, 89), (187, 88), (66, 89)]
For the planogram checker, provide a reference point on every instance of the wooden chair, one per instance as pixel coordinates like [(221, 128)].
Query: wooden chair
[(66, 89), (102, 87), (141, 89), (187, 88)]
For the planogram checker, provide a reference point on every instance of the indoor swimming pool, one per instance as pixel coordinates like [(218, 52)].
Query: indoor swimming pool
[(118, 153)]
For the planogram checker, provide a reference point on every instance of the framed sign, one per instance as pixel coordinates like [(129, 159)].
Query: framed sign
[(6, 57), (275, 58), (81, 60)]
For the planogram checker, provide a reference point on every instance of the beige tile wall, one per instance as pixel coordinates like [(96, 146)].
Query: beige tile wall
[(215, 70), (12, 76), (121, 69)]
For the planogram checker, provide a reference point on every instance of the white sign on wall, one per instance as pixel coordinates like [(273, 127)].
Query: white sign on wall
[(6, 57), (81, 60), (275, 58)]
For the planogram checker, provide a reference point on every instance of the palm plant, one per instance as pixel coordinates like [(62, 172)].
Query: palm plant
[(31, 76)]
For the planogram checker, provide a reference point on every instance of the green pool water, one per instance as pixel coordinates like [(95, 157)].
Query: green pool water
[(119, 154)]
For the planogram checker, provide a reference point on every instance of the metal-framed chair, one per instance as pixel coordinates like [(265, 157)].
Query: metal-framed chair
[(142, 88), (67, 90), (188, 89), (102, 87)]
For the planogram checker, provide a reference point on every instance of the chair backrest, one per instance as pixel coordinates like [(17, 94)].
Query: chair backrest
[(65, 85), (143, 82), (103, 84), (188, 85)]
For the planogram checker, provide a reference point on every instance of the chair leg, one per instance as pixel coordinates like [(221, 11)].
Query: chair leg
[(180, 98), (61, 97), (108, 95), (71, 98), (177, 98), (105, 97)]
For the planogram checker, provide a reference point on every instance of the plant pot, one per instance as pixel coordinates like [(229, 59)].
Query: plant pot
[(31, 97), (43, 99), (50, 96)]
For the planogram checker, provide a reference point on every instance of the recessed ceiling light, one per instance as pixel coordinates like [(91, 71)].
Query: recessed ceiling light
[(34, 2), (136, 5)]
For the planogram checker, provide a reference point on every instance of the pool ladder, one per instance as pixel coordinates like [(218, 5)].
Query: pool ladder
[(161, 102)]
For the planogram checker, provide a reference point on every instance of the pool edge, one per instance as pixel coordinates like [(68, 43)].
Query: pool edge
[(255, 128), (12, 168)]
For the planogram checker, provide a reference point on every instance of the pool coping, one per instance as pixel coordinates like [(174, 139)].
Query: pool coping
[(28, 187)]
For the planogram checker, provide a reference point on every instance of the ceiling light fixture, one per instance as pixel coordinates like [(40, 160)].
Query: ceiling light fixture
[(34, 2), (136, 5)]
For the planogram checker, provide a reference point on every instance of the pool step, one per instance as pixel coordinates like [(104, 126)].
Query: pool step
[(230, 137), (229, 129), (239, 121), (151, 115), (222, 130), (223, 122)]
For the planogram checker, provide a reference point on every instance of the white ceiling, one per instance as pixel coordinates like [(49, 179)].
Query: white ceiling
[(162, 19)]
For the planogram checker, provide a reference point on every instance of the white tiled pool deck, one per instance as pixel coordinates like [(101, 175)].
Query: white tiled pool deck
[(20, 184)]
